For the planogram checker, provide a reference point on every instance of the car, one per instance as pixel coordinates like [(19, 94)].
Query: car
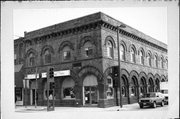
[(165, 94), (151, 99)]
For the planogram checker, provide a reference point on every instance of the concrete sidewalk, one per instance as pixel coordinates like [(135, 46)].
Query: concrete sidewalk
[(76, 109)]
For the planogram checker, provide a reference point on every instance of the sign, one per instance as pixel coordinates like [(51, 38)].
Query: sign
[(32, 76), (62, 73)]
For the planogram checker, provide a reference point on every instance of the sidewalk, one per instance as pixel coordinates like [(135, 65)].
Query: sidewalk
[(76, 109)]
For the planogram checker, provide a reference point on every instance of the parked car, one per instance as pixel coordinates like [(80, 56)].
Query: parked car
[(165, 94), (151, 99)]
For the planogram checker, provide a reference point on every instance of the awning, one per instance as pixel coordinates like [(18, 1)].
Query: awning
[(18, 67)]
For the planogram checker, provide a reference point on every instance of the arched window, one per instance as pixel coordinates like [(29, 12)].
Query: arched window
[(110, 87), (132, 54), (162, 63), (156, 61), (66, 53), (141, 57), (166, 64), (47, 56), (110, 49), (149, 59), (21, 50), (68, 89), (88, 48), (122, 53), (31, 59)]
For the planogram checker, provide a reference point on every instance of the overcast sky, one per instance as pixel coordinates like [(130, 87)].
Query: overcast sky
[(150, 20)]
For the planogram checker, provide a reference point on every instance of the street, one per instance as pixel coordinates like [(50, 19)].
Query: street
[(127, 111)]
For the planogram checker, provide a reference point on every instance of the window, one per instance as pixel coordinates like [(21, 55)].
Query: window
[(124, 94), (132, 53), (31, 59), (89, 51), (122, 53), (166, 64), (156, 61), (141, 57), (109, 49), (66, 53), (68, 89), (110, 87), (47, 56), (149, 59), (162, 64)]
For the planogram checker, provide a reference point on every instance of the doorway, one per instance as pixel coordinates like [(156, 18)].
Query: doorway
[(91, 95)]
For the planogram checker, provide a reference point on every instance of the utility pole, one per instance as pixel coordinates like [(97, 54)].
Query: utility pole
[(119, 63)]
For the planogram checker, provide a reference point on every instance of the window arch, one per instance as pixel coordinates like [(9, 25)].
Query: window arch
[(156, 61), (132, 55), (110, 51), (149, 59), (47, 56), (31, 59), (66, 53), (122, 52), (68, 88)]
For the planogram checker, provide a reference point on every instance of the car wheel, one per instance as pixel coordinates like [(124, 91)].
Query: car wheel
[(154, 104), (141, 106), (162, 103)]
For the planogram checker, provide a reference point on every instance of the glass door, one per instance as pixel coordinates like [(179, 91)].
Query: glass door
[(91, 96)]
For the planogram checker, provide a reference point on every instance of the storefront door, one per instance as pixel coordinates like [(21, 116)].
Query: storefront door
[(91, 96)]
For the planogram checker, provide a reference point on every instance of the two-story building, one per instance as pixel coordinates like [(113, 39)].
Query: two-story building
[(83, 52)]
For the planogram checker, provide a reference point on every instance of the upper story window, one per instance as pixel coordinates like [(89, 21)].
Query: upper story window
[(132, 55), (141, 57), (162, 63), (47, 56), (21, 50), (122, 53), (156, 61), (88, 48), (66, 53), (110, 49), (149, 59), (31, 60), (166, 64)]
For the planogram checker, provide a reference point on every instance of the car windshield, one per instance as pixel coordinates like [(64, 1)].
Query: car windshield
[(149, 95)]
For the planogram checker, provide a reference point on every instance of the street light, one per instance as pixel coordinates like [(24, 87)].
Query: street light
[(119, 67)]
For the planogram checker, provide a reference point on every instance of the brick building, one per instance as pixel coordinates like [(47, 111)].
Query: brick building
[(83, 53)]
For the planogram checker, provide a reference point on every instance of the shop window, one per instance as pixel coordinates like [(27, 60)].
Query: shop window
[(68, 89), (124, 92), (18, 94), (110, 91)]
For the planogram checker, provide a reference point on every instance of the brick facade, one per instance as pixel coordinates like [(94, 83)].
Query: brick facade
[(96, 30)]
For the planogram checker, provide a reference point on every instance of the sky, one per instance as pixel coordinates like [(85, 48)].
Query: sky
[(150, 20)]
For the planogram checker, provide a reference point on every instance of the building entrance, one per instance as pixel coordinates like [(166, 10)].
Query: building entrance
[(90, 93)]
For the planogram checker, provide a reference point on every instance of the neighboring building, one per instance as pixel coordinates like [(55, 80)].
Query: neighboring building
[(19, 73), (83, 52)]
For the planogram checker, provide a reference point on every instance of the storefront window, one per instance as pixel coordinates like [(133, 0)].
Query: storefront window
[(110, 87), (68, 93), (68, 89)]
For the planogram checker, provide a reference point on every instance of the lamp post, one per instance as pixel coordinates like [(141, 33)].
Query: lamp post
[(119, 63)]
